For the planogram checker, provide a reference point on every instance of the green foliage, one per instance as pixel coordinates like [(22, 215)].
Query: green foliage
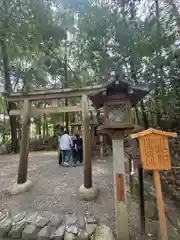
[(102, 36)]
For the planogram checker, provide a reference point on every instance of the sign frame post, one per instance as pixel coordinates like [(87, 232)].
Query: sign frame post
[(155, 155), (160, 205), (141, 198)]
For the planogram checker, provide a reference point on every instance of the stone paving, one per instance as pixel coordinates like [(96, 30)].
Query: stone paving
[(48, 226), (55, 187)]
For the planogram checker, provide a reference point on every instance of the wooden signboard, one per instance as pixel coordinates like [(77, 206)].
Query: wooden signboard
[(154, 148), (155, 152), (155, 156)]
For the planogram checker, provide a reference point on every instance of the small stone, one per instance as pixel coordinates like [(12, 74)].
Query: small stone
[(44, 233), (2, 216), (32, 218), (169, 188), (59, 233), (91, 228), (81, 222), (152, 194), (166, 182), (72, 220), (170, 180), (175, 195), (83, 235), (73, 229), (103, 233), (55, 221), (46, 214), (178, 183), (92, 237), (69, 236), (163, 178), (5, 227), (174, 219), (41, 221), (30, 232), (151, 210), (91, 219), (17, 229), (19, 217)]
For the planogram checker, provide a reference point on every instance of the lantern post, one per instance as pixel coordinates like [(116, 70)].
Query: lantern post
[(117, 98)]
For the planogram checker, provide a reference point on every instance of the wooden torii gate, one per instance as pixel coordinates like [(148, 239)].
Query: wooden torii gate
[(29, 111)]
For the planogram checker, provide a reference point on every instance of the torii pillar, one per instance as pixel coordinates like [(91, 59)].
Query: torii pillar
[(87, 191), (23, 184)]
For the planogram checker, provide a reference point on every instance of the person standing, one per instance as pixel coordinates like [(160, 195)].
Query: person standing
[(78, 146), (59, 150), (73, 138), (81, 149), (65, 146)]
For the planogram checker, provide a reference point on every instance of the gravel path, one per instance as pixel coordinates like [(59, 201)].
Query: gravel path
[(55, 187)]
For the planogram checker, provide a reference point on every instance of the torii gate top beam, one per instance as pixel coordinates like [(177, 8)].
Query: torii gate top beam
[(52, 94)]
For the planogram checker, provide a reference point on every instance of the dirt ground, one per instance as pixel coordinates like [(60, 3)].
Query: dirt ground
[(55, 187)]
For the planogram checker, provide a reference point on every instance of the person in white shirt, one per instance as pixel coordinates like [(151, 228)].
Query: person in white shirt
[(65, 146)]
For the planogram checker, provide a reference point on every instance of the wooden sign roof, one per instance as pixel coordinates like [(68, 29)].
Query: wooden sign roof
[(134, 92), (152, 130), (154, 148)]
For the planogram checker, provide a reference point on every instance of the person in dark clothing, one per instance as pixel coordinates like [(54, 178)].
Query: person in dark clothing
[(60, 158), (59, 151), (73, 138), (78, 149)]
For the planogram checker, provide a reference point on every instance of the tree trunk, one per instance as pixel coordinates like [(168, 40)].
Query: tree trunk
[(137, 115), (24, 148), (133, 75), (47, 128), (66, 81), (160, 85), (39, 128), (66, 116), (10, 105), (144, 115), (4, 124), (44, 125), (133, 67)]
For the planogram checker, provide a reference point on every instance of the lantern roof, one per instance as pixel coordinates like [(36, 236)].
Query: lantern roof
[(115, 86)]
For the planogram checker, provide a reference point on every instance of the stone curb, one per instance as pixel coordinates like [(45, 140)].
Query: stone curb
[(48, 226)]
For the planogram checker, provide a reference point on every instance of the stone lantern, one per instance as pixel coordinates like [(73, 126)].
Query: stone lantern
[(117, 98)]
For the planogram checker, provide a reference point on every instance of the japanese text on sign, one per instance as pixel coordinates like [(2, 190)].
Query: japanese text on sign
[(155, 152)]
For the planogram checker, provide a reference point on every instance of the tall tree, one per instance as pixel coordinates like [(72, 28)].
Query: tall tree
[(66, 78)]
